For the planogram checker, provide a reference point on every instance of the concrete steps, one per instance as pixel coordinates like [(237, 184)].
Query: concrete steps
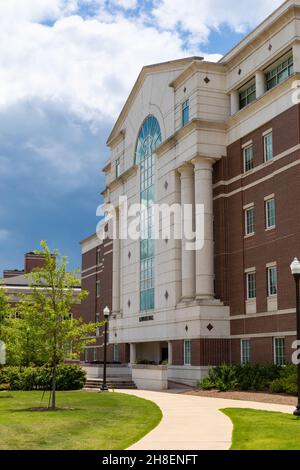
[(112, 382)]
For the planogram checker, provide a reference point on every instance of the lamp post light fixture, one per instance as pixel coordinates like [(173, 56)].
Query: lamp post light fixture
[(106, 313), (295, 269)]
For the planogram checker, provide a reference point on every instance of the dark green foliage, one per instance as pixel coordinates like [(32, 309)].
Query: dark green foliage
[(69, 377), (236, 377), (287, 382)]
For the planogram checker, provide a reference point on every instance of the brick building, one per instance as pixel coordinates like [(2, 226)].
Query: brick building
[(225, 136)]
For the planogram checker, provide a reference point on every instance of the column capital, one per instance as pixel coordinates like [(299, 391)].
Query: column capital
[(203, 163), (186, 169)]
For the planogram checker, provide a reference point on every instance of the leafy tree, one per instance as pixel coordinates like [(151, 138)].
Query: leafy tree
[(5, 312), (46, 314)]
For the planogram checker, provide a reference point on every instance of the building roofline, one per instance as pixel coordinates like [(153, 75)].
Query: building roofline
[(258, 30), (146, 69)]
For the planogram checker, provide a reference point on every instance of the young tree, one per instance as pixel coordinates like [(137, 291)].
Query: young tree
[(5, 312), (46, 312)]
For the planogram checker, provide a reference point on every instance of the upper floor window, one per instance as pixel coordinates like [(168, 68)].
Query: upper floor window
[(187, 352), (249, 221), (185, 112), (98, 288), (280, 71), (251, 285), (248, 158), (268, 147), (247, 94), (270, 211), (118, 168), (272, 280)]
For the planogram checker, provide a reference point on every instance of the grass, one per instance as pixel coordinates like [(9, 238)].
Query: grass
[(263, 430), (95, 421)]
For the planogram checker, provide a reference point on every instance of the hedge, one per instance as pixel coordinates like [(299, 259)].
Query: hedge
[(69, 377), (255, 377)]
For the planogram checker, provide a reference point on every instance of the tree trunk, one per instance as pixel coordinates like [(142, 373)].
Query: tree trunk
[(53, 394)]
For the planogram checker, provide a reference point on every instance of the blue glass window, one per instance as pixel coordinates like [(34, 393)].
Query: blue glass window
[(185, 113), (148, 140)]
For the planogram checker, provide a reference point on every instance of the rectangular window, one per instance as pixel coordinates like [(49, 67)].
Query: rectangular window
[(187, 352), (247, 95), (116, 353), (98, 288), (249, 221), (280, 71), (268, 147), (94, 354), (245, 351), (185, 112), (98, 257), (251, 285), (272, 280), (270, 213), (248, 158), (279, 351), (118, 168), (86, 355)]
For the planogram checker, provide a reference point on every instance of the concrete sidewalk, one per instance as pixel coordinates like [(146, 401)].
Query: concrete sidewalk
[(193, 423)]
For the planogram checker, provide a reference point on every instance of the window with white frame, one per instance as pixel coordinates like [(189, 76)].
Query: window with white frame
[(86, 355), (118, 168), (116, 353), (98, 257), (279, 351), (245, 351), (268, 147), (248, 158), (249, 221), (94, 354), (247, 94), (280, 71), (185, 112), (187, 352), (98, 288), (272, 280), (270, 211), (251, 285)]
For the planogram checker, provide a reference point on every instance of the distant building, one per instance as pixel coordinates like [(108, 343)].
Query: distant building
[(15, 282)]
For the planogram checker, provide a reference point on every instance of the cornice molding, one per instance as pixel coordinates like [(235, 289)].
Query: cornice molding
[(193, 125), (197, 66), (121, 179)]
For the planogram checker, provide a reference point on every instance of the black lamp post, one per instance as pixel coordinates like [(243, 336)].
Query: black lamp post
[(106, 313), (295, 268)]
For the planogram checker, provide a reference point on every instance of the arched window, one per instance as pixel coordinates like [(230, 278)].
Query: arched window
[(148, 140)]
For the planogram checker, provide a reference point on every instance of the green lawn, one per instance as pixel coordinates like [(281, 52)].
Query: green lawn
[(108, 421), (263, 430)]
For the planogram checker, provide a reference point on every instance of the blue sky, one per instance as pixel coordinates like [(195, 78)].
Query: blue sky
[(66, 68)]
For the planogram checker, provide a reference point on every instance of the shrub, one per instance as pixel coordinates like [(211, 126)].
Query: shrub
[(287, 382), (69, 377), (235, 377), (256, 376), (222, 378)]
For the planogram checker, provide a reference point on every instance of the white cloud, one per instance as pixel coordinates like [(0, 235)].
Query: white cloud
[(87, 65), (199, 17), (36, 10), (126, 4)]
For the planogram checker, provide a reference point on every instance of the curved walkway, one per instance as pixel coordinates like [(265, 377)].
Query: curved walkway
[(193, 423)]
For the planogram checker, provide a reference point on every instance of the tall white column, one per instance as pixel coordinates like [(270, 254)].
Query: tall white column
[(296, 56), (234, 102), (187, 207), (116, 268), (132, 358), (204, 203), (260, 79)]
